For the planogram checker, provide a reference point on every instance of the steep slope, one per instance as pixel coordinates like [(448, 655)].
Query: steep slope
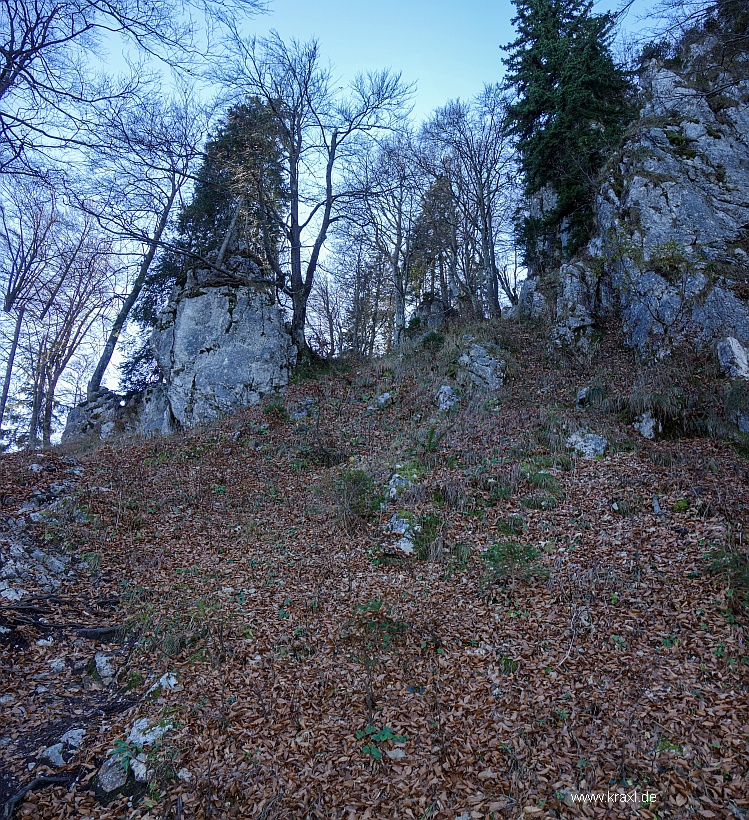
[(552, 625)]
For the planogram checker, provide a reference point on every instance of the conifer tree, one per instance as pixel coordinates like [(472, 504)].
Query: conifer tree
[(241, 173), (570, 109)]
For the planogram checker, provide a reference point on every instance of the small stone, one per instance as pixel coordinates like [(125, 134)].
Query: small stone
[(36, 468), (384, 400), (139, 768), (112, 775), (583, 396), (6, 699), (143, 734), (57, 665), (73, 738), (13, 594), (185, 775), (53, 755), (104, 665), (167, 681)]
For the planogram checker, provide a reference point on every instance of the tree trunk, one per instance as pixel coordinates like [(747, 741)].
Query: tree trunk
[(399, 330), (94, 384), (9, 366), (36, 404)]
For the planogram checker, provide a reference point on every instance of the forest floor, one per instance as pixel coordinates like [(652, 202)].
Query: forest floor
[(560, 629)]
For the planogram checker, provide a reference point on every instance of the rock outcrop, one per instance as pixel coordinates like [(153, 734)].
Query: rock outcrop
[(219, 348), (671, 254)]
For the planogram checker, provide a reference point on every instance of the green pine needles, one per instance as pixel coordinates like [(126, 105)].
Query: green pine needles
[(572, 103)]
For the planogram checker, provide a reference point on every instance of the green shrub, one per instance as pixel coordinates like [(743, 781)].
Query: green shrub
[(356, 495), (432, 341), (511, 561), (275, 411)]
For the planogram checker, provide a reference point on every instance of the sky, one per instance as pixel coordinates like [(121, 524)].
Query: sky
[(448, 51)]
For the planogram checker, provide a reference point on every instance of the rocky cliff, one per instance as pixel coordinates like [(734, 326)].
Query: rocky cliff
[(671, 251)]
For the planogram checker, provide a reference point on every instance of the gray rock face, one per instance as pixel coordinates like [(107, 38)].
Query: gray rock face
[(671, 251), (109, 415), (733, 359), (221, 349), (532, 303)]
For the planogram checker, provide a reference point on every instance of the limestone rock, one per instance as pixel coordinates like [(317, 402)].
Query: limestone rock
[(111, 777), (221, 349), (52, 755), (648, 426), (144, 734), (104, 666), (587, 445), (432, 312), (405, 528), (532, 303), (670, 252), (733, 358), (446, 398), (483, 367)]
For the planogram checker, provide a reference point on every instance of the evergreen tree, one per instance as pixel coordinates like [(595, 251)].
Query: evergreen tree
[(570, 109), (241, 176)]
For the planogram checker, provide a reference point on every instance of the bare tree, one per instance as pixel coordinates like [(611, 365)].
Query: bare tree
[(62, 317), (469, 145), (29, 218), (139, 171), (49, 77), (393, 188), (319, 128)]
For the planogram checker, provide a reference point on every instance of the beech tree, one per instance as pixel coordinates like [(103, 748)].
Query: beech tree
[(392, 186), (474, 152), (29, 220), (49, 80), (139, 170), (66, 312), (320, 128)]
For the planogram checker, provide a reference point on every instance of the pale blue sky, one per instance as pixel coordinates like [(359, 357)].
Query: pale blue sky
[(449, 51)]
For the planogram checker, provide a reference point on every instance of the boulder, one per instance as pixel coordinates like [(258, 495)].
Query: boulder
[(220, 349), (446, 398), (483, 367), (648, 426), (587, 445), (733, 358)]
